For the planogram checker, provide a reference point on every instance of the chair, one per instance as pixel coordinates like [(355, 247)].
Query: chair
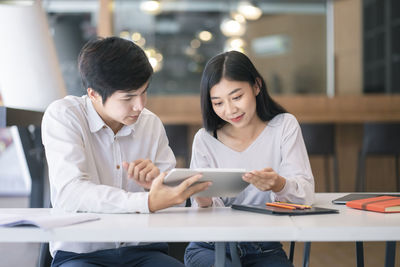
[(320, 140), (178, 141), (44, 256), (378, 139)]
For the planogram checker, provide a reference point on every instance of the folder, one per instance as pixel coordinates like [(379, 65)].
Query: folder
[(386, 204)]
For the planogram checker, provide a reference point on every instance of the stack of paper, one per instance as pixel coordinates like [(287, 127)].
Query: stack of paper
[(46, 221)]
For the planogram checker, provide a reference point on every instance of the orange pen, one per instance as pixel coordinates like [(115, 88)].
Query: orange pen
[(300, 206), (281, 206)]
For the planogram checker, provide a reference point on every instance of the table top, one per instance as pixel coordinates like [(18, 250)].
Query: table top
[(217, 224)]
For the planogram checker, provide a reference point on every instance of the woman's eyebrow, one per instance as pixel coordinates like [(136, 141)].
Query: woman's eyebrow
[(231, 93)]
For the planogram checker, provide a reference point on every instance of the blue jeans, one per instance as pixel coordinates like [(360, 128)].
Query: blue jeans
[(149, 255), (271, 254)]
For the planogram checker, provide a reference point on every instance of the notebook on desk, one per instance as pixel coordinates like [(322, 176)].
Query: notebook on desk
[(356, 196), (280, 211)]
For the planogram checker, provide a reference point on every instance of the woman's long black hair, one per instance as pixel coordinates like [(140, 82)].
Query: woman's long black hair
[(234, 66)]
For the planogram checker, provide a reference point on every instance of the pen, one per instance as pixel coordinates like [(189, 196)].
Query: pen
[(281, 206), (301, 206)]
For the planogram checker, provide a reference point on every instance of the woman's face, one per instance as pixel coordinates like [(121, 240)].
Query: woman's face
[(235, 102)]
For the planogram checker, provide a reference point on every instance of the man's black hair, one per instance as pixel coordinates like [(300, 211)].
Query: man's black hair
[(110, 64)]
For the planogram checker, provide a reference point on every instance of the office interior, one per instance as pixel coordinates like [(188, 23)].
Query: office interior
[(334, 63)]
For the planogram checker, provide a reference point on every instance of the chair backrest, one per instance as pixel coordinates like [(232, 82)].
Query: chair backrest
[(381, 138), (319, 138)]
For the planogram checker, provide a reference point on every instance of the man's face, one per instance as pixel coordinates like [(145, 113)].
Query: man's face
[(122, 107)]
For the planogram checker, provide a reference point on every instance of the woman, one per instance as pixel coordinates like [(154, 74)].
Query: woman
[(245, 128)]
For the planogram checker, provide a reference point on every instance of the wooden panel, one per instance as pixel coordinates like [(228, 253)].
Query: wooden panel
[(340, 109), (105, 19), (348, 46)]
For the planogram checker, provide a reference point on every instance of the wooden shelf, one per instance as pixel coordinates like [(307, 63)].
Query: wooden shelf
[(339, 109)]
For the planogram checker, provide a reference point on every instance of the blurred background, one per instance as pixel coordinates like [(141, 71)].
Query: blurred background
[(334, 64)]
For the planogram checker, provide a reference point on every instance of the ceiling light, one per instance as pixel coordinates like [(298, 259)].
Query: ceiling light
[(141, 42), (195, 43), (124, 35), (151, 7), (205, 36), (238, 17), (235, 43), (136, 36), (249, 11), (155, 58), (231, 27)]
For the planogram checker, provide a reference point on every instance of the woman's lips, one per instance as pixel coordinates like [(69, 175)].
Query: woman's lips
[(238, 118)]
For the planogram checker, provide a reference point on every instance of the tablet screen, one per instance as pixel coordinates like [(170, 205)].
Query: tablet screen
[(225, 182)]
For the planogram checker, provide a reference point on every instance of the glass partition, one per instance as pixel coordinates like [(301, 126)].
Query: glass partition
[(286, 40)]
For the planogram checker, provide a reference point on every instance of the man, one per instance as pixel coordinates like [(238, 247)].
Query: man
[(105, 152)]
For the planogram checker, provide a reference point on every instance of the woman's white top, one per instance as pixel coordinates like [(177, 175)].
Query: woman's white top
[(280, 146)]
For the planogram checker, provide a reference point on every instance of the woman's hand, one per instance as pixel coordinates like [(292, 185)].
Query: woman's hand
[(142, 171), (162, 196), (265, 179), (204, 202)]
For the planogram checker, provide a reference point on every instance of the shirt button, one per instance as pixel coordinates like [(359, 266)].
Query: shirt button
[(104, 126), (118, 167)]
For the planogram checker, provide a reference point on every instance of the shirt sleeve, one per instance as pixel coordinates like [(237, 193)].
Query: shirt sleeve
[(199, 160), (295, 166), (72, 187), (165, 159)]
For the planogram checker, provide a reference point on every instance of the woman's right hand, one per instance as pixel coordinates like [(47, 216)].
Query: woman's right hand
[(162, 196), (204, 202)]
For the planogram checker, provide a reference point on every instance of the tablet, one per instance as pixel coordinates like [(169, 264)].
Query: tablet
[(280, 211), (225, 182), (356, 196)]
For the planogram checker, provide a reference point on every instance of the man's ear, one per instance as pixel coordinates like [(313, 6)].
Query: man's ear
[(93, 95), (257, 86)]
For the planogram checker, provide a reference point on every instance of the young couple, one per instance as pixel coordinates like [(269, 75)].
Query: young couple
[(107, 153)]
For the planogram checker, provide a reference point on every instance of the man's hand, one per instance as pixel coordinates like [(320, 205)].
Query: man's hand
[(265, 179), (142, 171), (162, 196)]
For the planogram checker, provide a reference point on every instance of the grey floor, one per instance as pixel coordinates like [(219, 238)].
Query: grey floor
[(17, 254)]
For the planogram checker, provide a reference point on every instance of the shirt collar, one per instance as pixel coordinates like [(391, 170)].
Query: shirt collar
[(94, 119)]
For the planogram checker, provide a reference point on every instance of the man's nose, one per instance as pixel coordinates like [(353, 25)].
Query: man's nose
[(138, 105)]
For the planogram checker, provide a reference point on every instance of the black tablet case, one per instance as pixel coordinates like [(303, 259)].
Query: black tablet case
[(281, 211)]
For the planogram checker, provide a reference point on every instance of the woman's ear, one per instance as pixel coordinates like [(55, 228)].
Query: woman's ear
[(257, 86)]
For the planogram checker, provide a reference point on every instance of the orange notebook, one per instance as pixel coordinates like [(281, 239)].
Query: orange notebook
[(386, 204)]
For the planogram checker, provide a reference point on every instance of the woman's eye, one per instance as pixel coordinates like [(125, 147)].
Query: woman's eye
[(237, 97), (217, 103)]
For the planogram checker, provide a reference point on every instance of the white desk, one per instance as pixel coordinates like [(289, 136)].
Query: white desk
[(219, 225)]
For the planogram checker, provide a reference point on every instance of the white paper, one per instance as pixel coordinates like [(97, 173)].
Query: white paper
[(46, 221)]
